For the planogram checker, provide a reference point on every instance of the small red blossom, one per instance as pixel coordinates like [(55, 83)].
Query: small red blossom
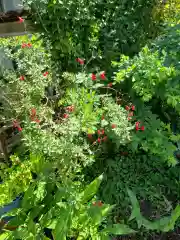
[(80, 61), (137, 126), (133, 108), (127, 108), (99, 140), (99, 132), (104, 139), (130, 114), (19, 129), (89, 136), (102, 118), (102, 131), (21, 20), (113, 126), (45, 74), (22, 78), (33, 112), (142, 128), (65, 115), (110, 84), (29, 45), (93, 76), (15, 124), (37, 120), (23, 45), (70, 108), (103, 76), (99, 204)]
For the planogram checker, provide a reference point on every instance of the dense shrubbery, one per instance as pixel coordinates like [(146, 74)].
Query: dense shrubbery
[(98, 29), (77, 122)]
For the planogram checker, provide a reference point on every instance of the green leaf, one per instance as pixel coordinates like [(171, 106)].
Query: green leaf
[(119, 229), (97, 214), (40, 191), (63, 223), (90, 190), (4, 236), (174, 216)]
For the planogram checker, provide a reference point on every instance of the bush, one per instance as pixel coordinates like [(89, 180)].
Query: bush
[(95, 30)]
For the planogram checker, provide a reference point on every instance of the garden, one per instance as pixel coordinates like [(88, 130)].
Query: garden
[(90, 122)]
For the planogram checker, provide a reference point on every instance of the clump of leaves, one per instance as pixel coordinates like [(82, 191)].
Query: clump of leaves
[(67, 211)]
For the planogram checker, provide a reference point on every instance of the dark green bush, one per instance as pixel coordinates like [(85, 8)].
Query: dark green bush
[(95, 29)]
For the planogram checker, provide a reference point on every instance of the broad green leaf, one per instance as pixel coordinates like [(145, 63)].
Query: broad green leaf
[(4, 236), (97, 214), (90, 190), (174, 216), (63, 223), (40, 191), (164, 224), (119, 229)]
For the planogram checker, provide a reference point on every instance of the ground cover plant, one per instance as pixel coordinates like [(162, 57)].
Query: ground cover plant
[(96, 152)]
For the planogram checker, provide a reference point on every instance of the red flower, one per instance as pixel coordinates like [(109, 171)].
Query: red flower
[(99, 132), (89, 136), (102, 76), (137, 126), (19, 129), (99, 140), (21, 20), (29, 45), (93, 76), (102, 118), (100, 204), (15, 124), (133, 108), (142, 128), (22, 78), (23, 45), (110, 84), (113, 126), (37, 120), (104, 139), (102, 131), (127, 108), (80, 61), (65, 115), (130, 114), (45, 74), (70, 108), (33, 112)]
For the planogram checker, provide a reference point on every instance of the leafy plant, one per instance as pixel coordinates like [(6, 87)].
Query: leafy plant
[(67, 211), (164, 224)]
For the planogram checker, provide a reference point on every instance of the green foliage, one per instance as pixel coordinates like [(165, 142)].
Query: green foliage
[(93, 30), (155, 184), (164, 224), (154, 72), (68, 212)]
